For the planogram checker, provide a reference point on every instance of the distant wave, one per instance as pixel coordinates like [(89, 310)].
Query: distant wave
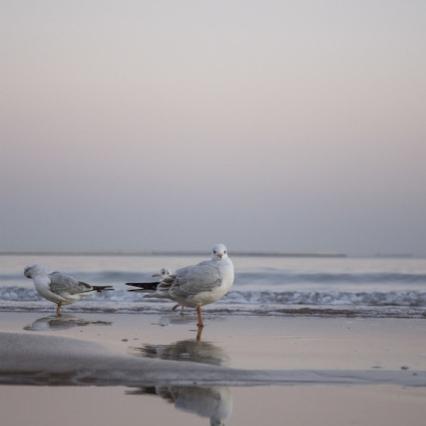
[(283, 277), (259, 291), (318, 298), (269, 276), (241, 297), (100, 276)]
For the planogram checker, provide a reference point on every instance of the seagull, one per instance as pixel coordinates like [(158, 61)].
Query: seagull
[(197, 285), (163, 274), (60, 288)]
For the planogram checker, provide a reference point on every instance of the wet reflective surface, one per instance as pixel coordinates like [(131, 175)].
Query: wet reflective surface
[(213, 402), (171, 376), (61, 323), (251, 406), (186, 350)]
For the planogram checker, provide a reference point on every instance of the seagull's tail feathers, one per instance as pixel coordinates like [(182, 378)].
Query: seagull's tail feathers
[(100, 288), (152, 286)]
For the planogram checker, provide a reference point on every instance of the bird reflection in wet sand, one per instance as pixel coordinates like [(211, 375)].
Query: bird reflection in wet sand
[(61, 323), (213, 402), (186, 350)]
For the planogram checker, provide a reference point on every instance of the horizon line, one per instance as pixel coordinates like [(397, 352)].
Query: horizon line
[(169, 253), (202, 253)]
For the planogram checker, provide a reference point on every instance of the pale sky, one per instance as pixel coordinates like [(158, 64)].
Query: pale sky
[(172, 125)]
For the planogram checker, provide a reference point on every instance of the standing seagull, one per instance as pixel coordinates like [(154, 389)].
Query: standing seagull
[(60, 288), (198, 285)]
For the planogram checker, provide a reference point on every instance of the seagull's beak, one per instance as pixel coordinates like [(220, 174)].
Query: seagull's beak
[(220, 255)]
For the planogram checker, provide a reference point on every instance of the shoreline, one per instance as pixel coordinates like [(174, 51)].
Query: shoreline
[(25, 360), (243, 371), (217, 311), (241, 342)]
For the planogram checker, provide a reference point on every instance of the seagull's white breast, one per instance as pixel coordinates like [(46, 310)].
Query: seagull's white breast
[(226, 269)]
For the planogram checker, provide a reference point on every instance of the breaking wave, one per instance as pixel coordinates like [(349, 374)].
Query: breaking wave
[(371, 304), (345, 288), (268, 275), (320, 298)]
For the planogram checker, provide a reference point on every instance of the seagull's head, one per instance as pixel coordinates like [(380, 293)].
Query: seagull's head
[(33, 270), (164, 272), (219, 252)]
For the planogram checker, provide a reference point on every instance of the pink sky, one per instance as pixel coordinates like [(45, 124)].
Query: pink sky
[(274, 125)]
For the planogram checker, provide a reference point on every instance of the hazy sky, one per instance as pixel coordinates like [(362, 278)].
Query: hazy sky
[(163, 125)]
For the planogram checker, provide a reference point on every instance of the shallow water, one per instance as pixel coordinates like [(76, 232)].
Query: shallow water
[(366, 287), (267, 405), (339, 370)]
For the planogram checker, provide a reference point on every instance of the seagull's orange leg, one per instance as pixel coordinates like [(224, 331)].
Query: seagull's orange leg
[(199, 334), (200, 323), (58, 309)]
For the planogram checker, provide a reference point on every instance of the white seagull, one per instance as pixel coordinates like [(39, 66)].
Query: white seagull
[(198, 285), (164, 273), (60, 288)]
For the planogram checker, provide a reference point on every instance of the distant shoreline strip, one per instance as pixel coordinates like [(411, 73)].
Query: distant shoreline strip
[(170, 253)]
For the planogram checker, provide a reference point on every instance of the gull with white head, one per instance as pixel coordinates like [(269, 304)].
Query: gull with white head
[(60, 288), (164, 273), (197, 285)]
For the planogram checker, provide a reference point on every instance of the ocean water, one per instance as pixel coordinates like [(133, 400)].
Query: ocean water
[(362, 287)]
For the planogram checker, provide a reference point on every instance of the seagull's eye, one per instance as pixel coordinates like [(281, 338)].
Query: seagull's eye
[(214, 251), (224, 252)]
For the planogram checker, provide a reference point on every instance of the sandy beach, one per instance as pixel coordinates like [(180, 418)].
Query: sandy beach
[(254, 167), (244, 370)]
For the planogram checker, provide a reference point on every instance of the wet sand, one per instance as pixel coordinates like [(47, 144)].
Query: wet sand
[(151, 369), (267, 405), (248, 342)]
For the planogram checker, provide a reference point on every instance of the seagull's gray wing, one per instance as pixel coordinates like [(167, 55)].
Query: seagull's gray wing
[(62, 283), (166, 283), (192, 280)]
